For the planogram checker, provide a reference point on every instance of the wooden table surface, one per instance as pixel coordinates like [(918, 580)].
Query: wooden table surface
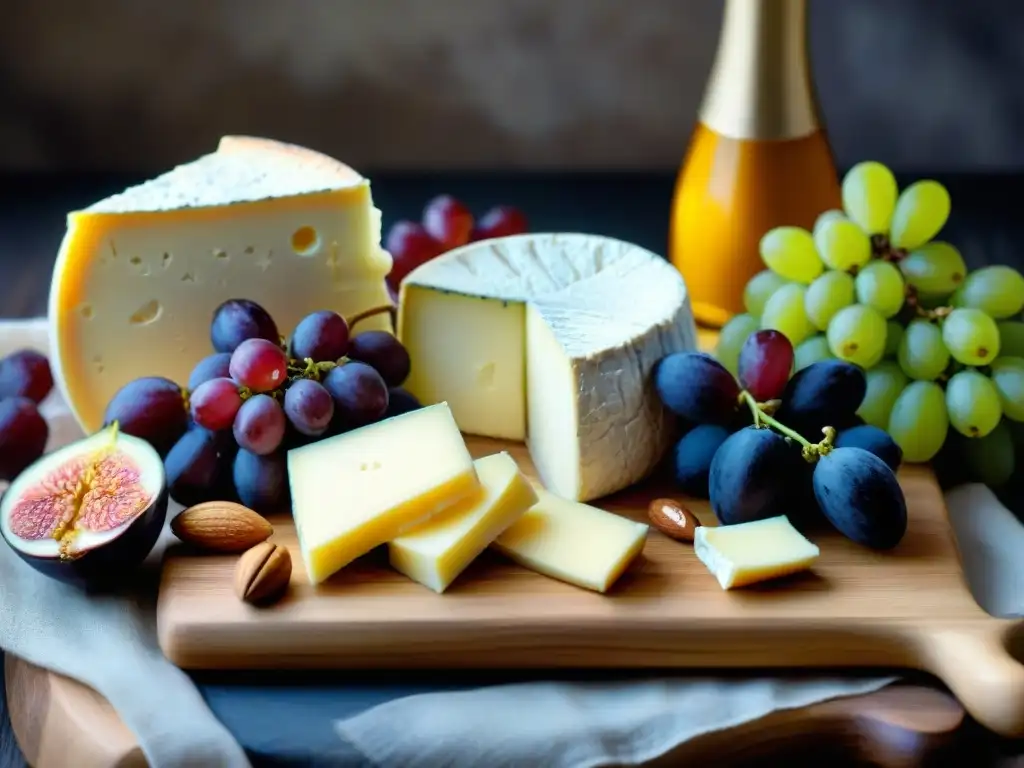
[(985, 225)]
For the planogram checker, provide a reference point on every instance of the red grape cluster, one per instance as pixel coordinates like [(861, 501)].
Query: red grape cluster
[(446, 224), (257, 396), (25, 381)]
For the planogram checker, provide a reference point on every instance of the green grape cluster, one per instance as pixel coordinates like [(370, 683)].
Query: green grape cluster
[(942, 348)]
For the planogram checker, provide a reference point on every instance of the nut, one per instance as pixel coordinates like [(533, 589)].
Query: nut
[(673, 519), (263, 573), (221, 526)]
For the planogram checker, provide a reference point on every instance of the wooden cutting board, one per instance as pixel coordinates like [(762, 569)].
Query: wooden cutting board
[(909, 608)]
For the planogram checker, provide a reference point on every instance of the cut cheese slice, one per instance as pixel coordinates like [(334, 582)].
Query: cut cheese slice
[(573, 542), (747, 553), (361, 489), (435, 553), (551, 338), (140, 273)]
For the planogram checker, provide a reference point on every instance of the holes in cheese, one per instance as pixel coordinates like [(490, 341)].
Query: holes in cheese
[(363, 488), (747, 553)]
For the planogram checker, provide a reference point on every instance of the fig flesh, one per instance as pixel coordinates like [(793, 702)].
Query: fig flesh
[(90, 512)]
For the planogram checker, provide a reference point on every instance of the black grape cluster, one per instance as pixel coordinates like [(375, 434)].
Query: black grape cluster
[(762, 444), (25, 381)]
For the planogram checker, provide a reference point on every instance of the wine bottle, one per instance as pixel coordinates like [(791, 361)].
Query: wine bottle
[(758, 157)]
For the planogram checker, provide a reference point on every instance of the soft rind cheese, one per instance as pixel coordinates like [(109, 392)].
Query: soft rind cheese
[(358, 490), (551, 338), (435, 553), (140, 273), (572, 542), (748, 553)]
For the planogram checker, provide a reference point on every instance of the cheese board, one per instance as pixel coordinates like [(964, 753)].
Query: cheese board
[(909, 608)]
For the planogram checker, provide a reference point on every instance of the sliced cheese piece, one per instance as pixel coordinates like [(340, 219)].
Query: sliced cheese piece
[(139, 274), (435, 553), (551, 338), (361, 489), (573, 542), (747, 553)]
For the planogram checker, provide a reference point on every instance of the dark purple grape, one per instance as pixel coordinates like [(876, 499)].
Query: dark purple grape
[(400, 401), (236, 320), (360, 394), (693, 455), (198, 467), (309, 407), (151, 408), (23, 435), (826, 393), (384, 353), (873, 440), (25, 373), (697, 387), (322, 336), (261, 481), (259, 425), (214, 366)]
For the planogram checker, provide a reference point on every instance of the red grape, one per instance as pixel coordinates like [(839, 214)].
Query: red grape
[(260, 365), (448, 221), (23, 435), (25, 373), (261, 481), (501, 221), (409, 245), (236, 320), (360, 394), (215, 366), (151, 408), (309, 407), (322, 336), (198, 467), (766, 360), (259, 425), (215, 403), (384, 353)]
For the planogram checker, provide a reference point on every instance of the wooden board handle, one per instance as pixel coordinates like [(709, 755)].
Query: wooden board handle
[(982, 673)]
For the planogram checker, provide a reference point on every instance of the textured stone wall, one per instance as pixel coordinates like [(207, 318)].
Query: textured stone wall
[(140, 84)]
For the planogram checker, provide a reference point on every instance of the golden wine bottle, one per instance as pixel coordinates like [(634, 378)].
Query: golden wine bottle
[(758, 158)]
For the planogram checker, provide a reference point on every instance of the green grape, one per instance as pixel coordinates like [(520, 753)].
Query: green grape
[(972, 403), (919, 421), (760, 287), (997, 291), (893, 335), (824, 219), (869, 196), (922, 354), (785, 313), (921, 211), (790, 252), (880, 285), (826, 296), (810, 351), (1011, 338), (1008, 379), (842, 244), (731, 338), (856, 334), (971, 336), (936, 268), (885, 382), (991, 459)]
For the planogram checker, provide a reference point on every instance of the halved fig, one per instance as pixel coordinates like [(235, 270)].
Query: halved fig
[(90, 512)]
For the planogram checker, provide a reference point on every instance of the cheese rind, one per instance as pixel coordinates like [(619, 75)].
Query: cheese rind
[(551, 338), (139, 274), (435, 553), (361, 489), (748, 553), (572, 542)]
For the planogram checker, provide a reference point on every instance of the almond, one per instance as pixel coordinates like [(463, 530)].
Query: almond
[(221, 526), (263, 573), (673, 519)]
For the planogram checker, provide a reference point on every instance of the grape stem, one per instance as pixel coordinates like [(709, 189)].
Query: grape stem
[(391, 309), (811, 451)]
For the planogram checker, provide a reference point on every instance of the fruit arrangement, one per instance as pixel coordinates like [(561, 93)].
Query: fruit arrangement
[(761, 444), (942, 349)]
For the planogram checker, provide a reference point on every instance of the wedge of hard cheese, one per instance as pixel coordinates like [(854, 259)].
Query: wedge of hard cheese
[(140, 273), (435, 553), (361, 489), (573, 542), (747, 553)]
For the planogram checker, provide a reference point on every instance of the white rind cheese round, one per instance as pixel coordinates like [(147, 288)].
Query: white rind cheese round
[(551, 339)]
